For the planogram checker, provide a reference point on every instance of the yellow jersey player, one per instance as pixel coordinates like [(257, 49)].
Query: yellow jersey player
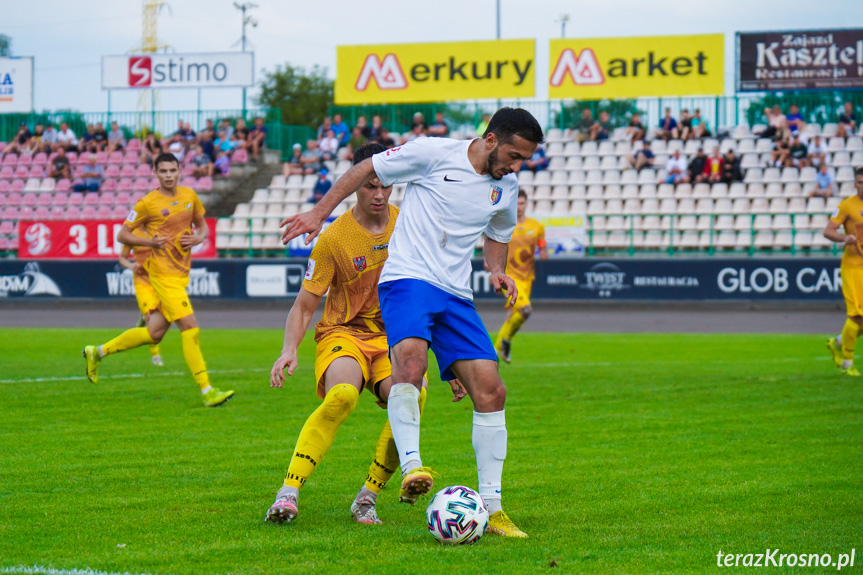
[(352, 351), (136, 262), (529, 235), (849, 216), (166, 215)]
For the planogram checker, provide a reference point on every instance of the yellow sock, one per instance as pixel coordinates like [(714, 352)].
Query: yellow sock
[(154, 350), (386, 459), (129, 339), (849, 339), (194, 358), (319, 432), (509, 328)]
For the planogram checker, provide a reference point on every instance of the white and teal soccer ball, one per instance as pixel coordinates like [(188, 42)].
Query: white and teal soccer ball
[(457, 516)]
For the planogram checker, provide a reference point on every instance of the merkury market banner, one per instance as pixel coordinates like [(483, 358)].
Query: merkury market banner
[(434, 72), (598, 68), (85, 239), (800, 60)]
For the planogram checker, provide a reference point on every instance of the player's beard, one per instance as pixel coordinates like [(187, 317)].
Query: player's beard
[(491, 162)]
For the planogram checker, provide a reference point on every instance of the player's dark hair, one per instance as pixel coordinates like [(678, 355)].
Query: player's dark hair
[(510, 122), (165, 157), (367, 151), (858, 173), (522, 194)]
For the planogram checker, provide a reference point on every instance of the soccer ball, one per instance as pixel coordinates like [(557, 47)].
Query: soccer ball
[(457, 516)]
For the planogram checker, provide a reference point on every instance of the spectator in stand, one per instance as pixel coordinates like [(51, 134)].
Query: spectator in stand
[(92, 176), (731, 171), (242, 134), (294, 165), (675, 169), (181, 131), (355, 143), (667, 127), (697, 165), (700, 128), (419, 119), (203, 164), (635, 131), (797, 154), (795, 120), (329, 145), (21, 141), (817, 152), (312, 161), (49, 139), (537, 162), (584, 127), (225, 126), (419, 130), (325, 127), (208, 130), (483, 124), (222, 165), (116, 139), (341, 130), (776, 124), (223, 143), (151, 149), (685, 126), (713, 168), (385, 138), (60, 165), (363, 125), (189, 135), (439, 129), (207, 145), (87, 142), (643, 158), (601, 130), (35, 142), (100, 137), (779, 155), (825, 183), (66, 138), (847, 122), (373, 132), (258, 138), (322, 186), (177, 146)]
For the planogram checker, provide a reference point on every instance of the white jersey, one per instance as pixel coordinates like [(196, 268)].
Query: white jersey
[(446, 207)]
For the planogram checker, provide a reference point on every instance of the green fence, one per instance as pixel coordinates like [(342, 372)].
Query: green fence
[(816, 106)]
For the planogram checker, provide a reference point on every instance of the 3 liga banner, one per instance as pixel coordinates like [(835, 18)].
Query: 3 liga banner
[(85, 239), (598, 68), (434, 72)]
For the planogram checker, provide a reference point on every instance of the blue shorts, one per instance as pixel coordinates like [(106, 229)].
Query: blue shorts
[(414, 308)]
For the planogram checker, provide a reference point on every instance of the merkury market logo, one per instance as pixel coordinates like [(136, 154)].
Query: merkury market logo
[(389, 74)]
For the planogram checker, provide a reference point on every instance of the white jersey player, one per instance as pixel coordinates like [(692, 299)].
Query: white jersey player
[(457, 191)]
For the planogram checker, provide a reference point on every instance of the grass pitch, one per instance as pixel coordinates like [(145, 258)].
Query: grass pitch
[(627, 454)]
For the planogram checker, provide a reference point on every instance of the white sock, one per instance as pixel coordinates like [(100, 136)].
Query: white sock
[(838, 340), (101, 353), (206, 390), (846, 363), (366, 492), (288, 490), (489, 443), (403, 410)]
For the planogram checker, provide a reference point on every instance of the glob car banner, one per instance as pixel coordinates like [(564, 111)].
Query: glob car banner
[(800, 60), (86, 239)]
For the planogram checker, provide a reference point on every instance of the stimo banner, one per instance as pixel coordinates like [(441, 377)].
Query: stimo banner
[(767, 279), (597, 68), (434, 72), (800, 60)]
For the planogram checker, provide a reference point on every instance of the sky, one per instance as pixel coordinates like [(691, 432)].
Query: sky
[(68, 39)]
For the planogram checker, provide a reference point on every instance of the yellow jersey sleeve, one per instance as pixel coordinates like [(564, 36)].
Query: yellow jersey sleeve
[(840, 214), (139, 215), (199, 210), (321, 268)]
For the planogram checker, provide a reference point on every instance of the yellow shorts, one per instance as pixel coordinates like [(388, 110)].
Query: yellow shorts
[(173, 300), (852, 288), (371, 354), (146, 296), (523, 298)]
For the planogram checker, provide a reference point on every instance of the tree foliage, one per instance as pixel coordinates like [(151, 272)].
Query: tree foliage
[(303, 96)]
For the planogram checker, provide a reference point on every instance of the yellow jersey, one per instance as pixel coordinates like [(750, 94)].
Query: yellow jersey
[(850, 215), (527, 237), (346, 262), (168, 216), (141, 256)]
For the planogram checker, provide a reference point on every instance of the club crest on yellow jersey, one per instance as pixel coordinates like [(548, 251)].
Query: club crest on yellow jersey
[(360, 263)]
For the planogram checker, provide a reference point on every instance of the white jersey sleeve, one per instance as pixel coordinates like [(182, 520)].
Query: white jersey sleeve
[(406, 163), (503, 222)]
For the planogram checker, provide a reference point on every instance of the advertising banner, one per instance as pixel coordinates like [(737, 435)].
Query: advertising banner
[(598, 68), (800, 60), (565, 236), (16, 85), (434, 72), (160, 71), (85, 239)]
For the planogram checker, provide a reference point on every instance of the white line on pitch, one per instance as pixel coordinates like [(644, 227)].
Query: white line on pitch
[(39, 570), (126, 375)]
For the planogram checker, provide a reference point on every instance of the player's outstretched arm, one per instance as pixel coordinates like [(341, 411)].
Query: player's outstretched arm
[(296, 325), (495, 258), (310, 222)]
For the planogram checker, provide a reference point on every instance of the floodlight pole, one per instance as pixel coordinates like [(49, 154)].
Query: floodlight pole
[(243, 8), (498, 19)]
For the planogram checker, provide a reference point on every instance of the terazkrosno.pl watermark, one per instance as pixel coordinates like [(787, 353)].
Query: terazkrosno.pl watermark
[(775, 558)]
